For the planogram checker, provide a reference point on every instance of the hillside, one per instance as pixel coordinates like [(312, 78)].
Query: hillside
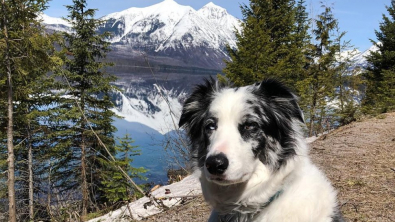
[(358, 158)]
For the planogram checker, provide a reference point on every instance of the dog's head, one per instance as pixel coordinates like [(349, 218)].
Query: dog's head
[(232, 130)]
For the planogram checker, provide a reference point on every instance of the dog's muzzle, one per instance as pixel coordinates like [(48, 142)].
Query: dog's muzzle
[(217, 165)]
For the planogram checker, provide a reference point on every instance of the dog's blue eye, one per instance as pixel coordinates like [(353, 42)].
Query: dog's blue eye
[(211, 127)]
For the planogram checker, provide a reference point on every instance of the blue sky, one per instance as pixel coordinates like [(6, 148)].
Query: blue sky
[(359, 18)]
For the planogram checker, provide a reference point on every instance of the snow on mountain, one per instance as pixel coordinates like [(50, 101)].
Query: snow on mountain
[(142, 20), (53, 21), (150, 105), (165, 30), (223, 21), (360, 59), (357, 57), (57, 24), (171, 25)]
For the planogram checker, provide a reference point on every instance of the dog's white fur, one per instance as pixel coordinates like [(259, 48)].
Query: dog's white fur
[(247, 184)]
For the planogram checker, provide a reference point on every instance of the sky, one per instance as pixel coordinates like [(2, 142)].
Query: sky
[(359, 18)]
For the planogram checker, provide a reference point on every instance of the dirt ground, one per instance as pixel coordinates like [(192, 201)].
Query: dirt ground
[(358, 158)]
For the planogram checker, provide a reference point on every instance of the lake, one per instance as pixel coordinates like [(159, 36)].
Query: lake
[(153, 156)]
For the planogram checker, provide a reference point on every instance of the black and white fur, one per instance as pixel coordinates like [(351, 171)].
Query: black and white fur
[(254, 162)]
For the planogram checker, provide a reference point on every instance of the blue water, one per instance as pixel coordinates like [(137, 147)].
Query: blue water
[(153, 156)]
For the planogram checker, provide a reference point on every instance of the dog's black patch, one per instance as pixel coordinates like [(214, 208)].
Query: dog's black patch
[(338, 216), (277, 108), (193, 117)]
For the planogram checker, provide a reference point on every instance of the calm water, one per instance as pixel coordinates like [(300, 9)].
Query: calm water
[(153, 156)]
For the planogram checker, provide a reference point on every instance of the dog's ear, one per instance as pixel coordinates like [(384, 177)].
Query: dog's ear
[(196, 106), (278, 93)]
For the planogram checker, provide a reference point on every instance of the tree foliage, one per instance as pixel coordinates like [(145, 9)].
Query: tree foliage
[(83, 112), (27, 54), (269, 45), (116, 187), (380, 75), (318, 85), (348, 82), (61, 108)]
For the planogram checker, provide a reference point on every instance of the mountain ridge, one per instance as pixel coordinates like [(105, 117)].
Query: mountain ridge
[(169, 30)]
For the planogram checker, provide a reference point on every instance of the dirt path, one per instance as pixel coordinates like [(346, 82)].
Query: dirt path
[(359, 159)]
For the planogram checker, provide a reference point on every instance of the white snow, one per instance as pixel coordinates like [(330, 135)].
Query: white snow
[(53, 21), (139, 20), (356, 56), (170, 25), (361, 57), (189, 186)]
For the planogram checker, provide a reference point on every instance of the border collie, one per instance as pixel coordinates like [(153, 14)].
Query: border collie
[(254, 163)]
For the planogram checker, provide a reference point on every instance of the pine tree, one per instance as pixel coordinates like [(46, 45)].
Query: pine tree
[(302, 37), (302, 25), (84, 111), (347, 81), (380, 75), (25, 50), (116, 187), (269, 45), (318, 85)]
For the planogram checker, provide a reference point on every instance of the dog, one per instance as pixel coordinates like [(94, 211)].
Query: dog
[(249, 146)]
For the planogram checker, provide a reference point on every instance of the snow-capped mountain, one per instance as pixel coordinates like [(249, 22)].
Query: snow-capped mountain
[(57, 24), (190, 37), (169, 25), (169, 29), (360, 58), (357, 58)]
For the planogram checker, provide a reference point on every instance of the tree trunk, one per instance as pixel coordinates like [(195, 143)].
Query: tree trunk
[(312, 114), (49, 193), (11, 157), (84, 182), (30, 166), (85, 194), (10, 138)]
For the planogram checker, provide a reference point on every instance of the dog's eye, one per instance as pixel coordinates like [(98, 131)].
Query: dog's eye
[(251, 126), (211, 127)]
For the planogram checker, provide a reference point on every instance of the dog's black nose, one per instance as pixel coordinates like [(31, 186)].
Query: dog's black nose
[(217, 164)]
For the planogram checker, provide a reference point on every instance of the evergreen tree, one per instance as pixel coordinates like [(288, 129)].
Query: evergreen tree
[(269, 45), (318, 85), (83, 111), (347, 81), (117, 187), (302, 38), (380, 75), (25, 50)]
